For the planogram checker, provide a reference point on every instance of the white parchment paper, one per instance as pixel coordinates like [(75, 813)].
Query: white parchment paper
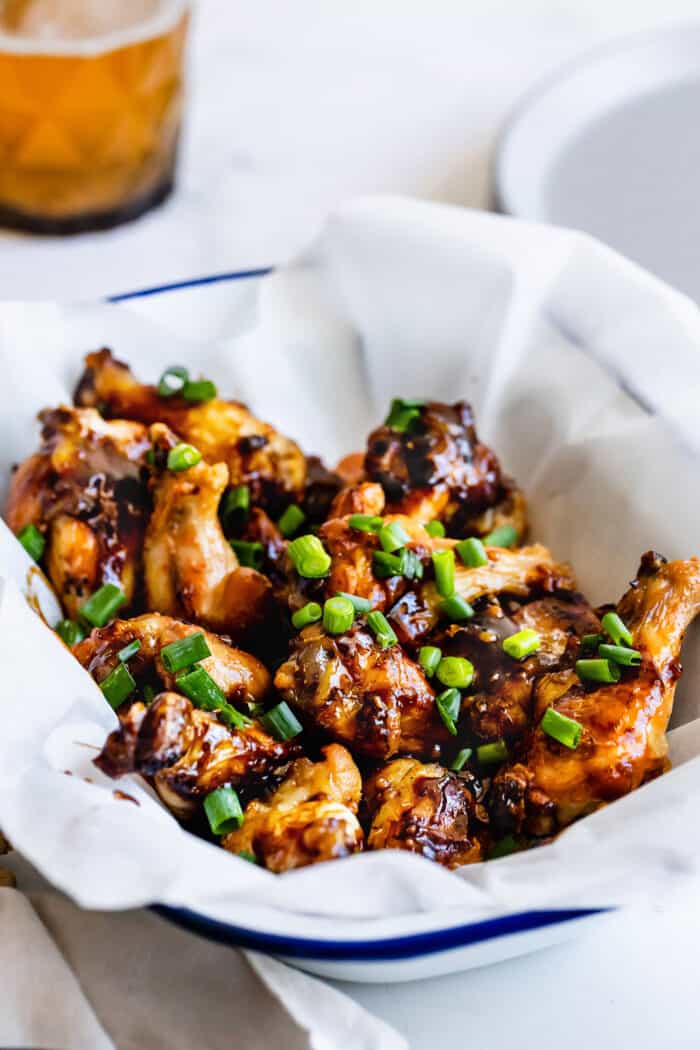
[(585, 376)]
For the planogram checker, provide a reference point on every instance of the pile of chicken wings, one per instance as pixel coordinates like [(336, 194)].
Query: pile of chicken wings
[(308, 663)]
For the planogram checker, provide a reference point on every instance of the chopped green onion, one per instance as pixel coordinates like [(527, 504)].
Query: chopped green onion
[(338, 615), (456, 609), (281, 722), (429, 656), (202, 690), (504, 847), (235, 506), (435, 528), (403, 414), (223, 810), (199, 390), (310, 558), (566, 730), (590, 642), (129, 650), (151, 457), (385, 564), (503, 536), (618, 631), (472, 553), (365, 522), (101, 606), (490, 754), (172, 381), (620, 654), (360, 605), (245, 854), (444, 565), (522, 644), (118, 685), (32, 541), (70, 631), (291, 520), (460, 760), (310, 613), (250, 553), (393, 537), (455, 671), (597, 671), (381, 629), (182, 457), (404, 563), (184, 652), (448, 704), (411, 565), (148, 693)]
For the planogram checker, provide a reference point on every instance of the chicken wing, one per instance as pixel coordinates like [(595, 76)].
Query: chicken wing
[(428, 810), (241, 677), (188, 752), (378, 701), (190, 568), (623, 740), (86, 491), (309, 818), (435, 466), (272, 465), (499, 702)]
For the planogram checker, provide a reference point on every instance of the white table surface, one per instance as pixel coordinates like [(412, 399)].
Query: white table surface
[(293, 108)]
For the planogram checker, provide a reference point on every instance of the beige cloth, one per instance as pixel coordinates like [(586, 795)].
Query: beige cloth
[(77, 980)]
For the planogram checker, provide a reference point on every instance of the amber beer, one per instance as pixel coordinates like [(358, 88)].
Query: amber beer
[(90, 109)]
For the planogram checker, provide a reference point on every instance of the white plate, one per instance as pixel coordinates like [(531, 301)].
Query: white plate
[(610, 146)]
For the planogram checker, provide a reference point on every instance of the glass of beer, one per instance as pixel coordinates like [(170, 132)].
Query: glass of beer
[(90, 110)]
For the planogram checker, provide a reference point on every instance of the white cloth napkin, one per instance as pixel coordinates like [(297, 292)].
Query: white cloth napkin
[(78, 980)]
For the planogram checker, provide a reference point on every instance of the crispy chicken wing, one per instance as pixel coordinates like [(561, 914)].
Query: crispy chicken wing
[(189, 566), (624, 724), (436, 467), (86, 491), (241, 677), (378, 701), (188, 752), (428, 810), (499, 702), (309, 818), (224, 431)]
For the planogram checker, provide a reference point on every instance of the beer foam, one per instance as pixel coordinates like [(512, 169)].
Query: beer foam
[(83, 28)]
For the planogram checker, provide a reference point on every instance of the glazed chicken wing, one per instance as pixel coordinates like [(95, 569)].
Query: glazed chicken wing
[(241, 677), (188, 752), (224, 431), (86, 491), (428, 810), (432, 465), (309, 818), (190, 568), (377, 701), (623, 741)]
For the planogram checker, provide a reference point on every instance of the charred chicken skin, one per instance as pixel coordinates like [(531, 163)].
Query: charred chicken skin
[(312, 816), (190, 568), (187, 752), (85, 490), (623, 740), (433, 466), (377, 701), (256, 454), (428, 810)]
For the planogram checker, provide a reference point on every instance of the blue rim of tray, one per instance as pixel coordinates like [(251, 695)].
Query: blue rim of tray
[(381, 949)]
